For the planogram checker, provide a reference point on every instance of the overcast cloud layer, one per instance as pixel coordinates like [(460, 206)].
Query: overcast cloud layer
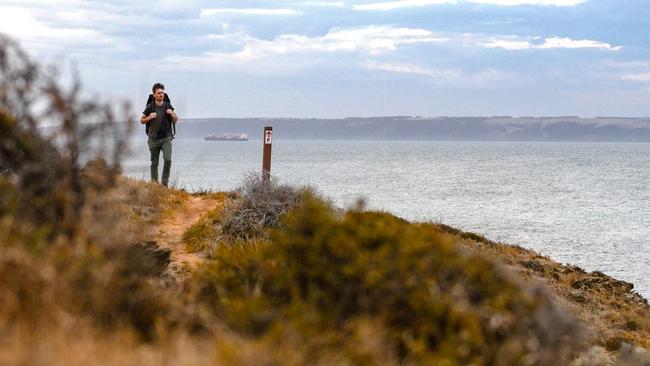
[(352, 58)]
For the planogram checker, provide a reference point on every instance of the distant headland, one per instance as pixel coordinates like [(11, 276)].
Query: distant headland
[(495, 128)]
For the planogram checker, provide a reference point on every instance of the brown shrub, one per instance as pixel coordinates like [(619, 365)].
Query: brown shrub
[(41, 174), (261, 205), (65, 250)]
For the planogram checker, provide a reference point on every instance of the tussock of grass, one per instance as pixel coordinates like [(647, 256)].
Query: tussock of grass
[(217, 196), (204, 234)]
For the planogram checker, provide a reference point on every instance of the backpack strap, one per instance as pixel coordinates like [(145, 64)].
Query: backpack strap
[(173, 124), (146, 126)]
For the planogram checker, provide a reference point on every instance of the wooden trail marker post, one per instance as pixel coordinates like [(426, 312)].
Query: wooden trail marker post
[(266, 157)]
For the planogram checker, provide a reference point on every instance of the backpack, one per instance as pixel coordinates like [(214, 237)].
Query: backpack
[(167, 103)]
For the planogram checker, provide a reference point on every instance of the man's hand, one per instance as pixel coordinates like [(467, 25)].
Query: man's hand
[(172, 115), (146, 119)]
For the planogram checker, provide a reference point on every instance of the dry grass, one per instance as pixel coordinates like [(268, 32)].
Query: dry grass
[(136, 207), (84, 345), (205, 235)]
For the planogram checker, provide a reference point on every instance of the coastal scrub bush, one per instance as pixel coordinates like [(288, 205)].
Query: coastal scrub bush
[(327, 278), (64, 253), (261, 205), (41, 174)]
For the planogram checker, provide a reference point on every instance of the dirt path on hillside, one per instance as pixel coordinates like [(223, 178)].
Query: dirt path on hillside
[(170, 235)]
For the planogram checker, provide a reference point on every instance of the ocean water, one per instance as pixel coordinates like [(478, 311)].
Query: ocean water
[(586, 204)]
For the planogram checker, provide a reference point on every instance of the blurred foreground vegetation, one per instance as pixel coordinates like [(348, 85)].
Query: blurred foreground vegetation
[(287, 279)]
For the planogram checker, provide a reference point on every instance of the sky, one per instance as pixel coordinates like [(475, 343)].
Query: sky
[(344, 58)]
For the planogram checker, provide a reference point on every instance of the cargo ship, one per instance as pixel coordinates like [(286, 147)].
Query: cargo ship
[(228, 137)]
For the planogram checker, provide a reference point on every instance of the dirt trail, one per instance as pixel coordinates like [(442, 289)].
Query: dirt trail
[(170, 235)]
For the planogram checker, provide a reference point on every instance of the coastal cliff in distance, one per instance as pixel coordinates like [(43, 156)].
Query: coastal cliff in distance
[(496, 128)]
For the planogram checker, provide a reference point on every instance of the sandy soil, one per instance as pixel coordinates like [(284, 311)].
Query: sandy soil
[(170, 235)]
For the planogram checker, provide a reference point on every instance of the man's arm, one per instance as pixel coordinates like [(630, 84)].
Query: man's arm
[(172, 115), (146, 117)]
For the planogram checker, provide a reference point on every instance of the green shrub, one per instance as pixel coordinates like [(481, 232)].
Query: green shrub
[(322, 276)]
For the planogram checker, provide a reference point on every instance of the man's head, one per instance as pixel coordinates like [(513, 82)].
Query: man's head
[(158, 92)]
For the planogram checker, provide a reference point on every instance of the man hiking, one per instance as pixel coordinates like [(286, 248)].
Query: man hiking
[(159, 116)]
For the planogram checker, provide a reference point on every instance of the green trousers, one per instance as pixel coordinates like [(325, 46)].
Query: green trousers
[(155, 147)]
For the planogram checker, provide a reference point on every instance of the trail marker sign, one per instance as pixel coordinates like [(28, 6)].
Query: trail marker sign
[(266, 154)]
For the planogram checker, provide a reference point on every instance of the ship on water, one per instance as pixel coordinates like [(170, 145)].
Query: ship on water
[(228, 137)]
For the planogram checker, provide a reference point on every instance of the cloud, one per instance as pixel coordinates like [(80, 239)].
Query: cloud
[(508, 43), (530, 2), (391, 5), (632, 70), (248, 11), (516, 43), (20, 23), (438, 74), (637, 77), (483, 78), (334, 4), (373, 40), (557, 42), (631, 64)]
